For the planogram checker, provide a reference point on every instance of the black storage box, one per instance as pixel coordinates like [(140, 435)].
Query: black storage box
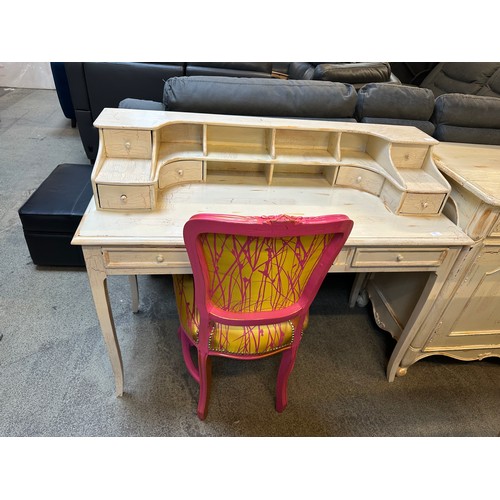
[(51, 216)]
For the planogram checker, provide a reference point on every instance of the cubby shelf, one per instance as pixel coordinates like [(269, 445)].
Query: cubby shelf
[(162, 149)]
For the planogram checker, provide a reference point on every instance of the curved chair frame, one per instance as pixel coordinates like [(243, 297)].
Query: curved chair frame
[(211, 313)]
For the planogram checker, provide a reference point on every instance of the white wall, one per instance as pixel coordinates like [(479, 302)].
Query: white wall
[(29, 75)]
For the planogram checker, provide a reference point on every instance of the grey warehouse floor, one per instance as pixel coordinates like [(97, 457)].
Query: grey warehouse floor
[(56, 379)]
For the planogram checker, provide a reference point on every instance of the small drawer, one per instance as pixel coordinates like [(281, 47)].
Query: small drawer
[(127, 143), (124, 197), (144, 259), (382, 257), (360, 178), (409, 155), (422, 203), (180, 171)]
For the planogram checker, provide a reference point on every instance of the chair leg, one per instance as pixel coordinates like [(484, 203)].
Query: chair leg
[(186, 353), (205, 370), (286, 367)]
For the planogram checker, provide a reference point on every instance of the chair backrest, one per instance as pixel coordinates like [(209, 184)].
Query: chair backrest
[(257, 270)]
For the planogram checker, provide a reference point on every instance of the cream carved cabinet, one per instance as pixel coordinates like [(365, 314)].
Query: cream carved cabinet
[(469, 326)]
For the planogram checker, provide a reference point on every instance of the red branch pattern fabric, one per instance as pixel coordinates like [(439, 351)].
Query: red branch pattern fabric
[(250, 274)]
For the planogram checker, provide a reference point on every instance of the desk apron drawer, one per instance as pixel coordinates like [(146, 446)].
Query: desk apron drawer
[(394, 257), (126, 258)]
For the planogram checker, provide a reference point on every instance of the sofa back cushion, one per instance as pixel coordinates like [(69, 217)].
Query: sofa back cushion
[(467, 118), (395, 105), (260, 97)]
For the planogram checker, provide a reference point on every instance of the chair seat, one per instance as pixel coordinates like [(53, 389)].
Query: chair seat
[(243, 340)]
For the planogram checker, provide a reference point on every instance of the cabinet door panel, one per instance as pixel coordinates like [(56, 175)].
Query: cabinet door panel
[(472, 319)]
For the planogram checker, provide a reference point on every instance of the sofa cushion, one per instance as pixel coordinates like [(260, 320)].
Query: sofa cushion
[(425, 126), (353, 72), (395, 105), (260, 97), (130, 103), (379, 100), (451, 133), (467, 118)]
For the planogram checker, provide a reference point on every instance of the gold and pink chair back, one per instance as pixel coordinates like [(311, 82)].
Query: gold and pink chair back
[(253, 281)]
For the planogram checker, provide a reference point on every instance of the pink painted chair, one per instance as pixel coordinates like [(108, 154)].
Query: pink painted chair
[(253, 281)]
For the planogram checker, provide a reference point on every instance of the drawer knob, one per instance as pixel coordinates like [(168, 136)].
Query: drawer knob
[(180, 172), (358, 179), (123, 198), (425, 204), (160, 259), (127, 145), (399, 258)]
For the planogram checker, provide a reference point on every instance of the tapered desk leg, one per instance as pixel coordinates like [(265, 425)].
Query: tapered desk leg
[(357, 287), (134, 291), (98, 285)]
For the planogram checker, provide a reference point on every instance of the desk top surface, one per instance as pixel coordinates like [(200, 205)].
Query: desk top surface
[(474, 166), (374, 223)]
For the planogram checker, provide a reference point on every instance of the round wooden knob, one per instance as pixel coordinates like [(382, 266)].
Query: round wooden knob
[(123, 197), (358, 179), (399, 258), (127, 145), (160, 258), (425, 204), (180, 172)]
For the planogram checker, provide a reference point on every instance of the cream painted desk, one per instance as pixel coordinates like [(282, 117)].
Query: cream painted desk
[(155, 170)]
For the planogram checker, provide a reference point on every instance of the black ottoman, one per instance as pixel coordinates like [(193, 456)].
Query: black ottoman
[(52, 214)]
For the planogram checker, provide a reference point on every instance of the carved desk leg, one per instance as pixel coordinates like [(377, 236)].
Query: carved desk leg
[(426, 311), (99, 288), (394, 367), (358, 287), (134, 291)]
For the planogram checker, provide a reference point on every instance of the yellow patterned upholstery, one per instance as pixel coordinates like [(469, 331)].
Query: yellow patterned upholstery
[(258, 339)]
